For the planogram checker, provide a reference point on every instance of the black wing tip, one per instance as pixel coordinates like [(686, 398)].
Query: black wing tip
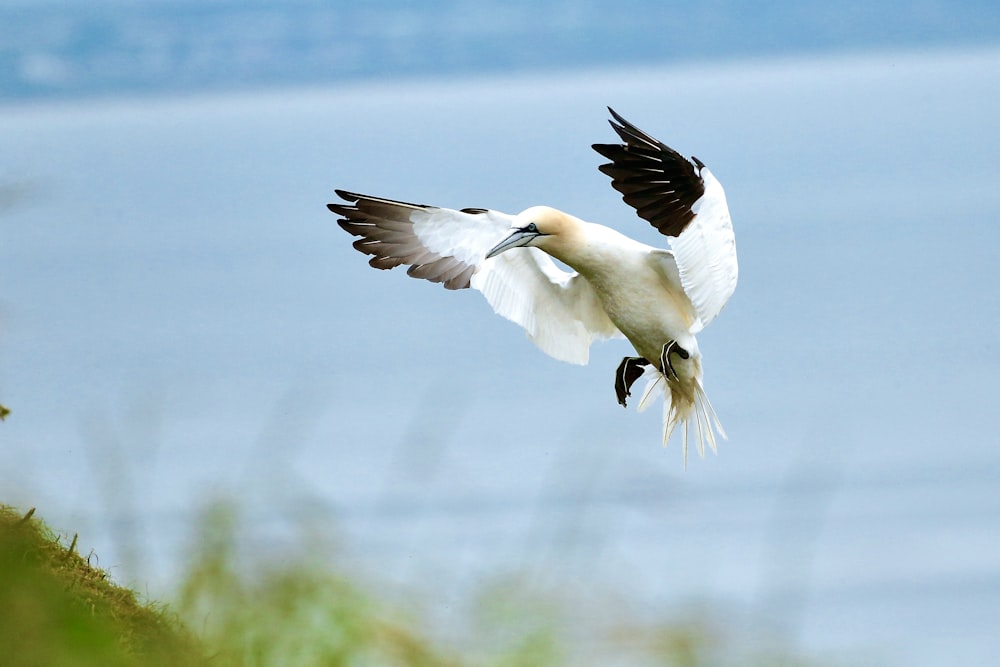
[(654, 179), (618, 117), (348, 212), (623, 127), (627, 131), (610, 151), (347, 195)]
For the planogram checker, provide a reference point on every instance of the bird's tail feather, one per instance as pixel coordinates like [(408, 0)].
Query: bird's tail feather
[(680, 408)]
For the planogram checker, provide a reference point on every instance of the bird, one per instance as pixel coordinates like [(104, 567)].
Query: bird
[(658, 299)]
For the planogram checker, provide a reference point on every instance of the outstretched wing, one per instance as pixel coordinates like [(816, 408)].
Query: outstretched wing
[(684, 201), (559, 310)]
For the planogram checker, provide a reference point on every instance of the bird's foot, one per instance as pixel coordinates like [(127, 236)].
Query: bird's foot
[(666, 365), (629, 370)]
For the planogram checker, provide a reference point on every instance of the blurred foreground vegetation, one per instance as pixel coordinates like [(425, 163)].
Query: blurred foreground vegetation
[(59, 611), (233, 610)]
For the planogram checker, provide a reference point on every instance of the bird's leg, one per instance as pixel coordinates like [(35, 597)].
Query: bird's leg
[(665, 364), (629, 370)]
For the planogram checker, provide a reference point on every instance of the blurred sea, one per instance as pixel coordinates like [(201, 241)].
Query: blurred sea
[(60, 48), (181, 319)]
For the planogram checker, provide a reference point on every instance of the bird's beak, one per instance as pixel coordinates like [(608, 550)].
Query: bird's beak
[(520, 237)]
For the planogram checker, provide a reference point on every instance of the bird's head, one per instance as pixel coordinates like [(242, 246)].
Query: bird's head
[(540, 226)]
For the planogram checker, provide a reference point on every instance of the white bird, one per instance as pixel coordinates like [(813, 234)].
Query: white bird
[(657, 299)]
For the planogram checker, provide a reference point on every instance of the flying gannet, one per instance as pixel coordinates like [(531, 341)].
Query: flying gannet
[(657, 299)]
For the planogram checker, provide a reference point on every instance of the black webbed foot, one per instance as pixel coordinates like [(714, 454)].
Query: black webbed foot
[(665, 364), (629, 370)]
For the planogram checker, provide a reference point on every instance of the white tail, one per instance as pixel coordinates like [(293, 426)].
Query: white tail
[(683, 402)]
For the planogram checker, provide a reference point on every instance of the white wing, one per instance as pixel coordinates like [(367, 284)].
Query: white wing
[(685, 202), (705, 252), (559, 310)]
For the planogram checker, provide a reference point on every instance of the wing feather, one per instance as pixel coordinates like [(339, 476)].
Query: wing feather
[(685, 202), (559, 310), (706, 253)]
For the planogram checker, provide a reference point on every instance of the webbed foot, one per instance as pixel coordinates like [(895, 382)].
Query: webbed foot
[(629, 370), (665, 363)]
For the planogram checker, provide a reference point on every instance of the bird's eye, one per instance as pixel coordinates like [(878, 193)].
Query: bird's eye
[(533, 228)]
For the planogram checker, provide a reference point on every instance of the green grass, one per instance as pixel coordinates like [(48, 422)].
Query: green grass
[(235, 608), (299, 613), (59, 611)]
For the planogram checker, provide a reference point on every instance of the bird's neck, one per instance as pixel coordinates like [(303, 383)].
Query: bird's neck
[(586, 247)]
